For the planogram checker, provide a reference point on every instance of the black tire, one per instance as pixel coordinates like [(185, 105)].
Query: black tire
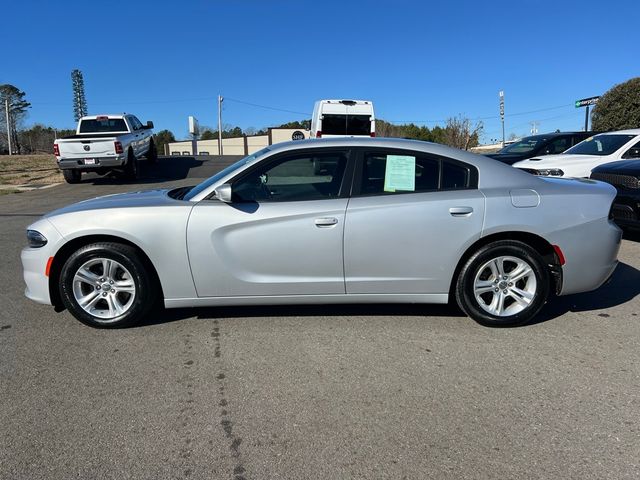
[(510, 294), (131, 167), (152, 154), (72, 176), (132, 271)]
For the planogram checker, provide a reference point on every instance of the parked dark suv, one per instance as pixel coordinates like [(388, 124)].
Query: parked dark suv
[(625, 176), (538, 145)]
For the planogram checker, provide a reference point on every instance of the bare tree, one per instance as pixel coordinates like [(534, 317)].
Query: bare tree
[(459, 132), (17, 113)]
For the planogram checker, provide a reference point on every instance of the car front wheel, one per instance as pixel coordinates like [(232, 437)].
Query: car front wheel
[(106, 285), (503, 284)]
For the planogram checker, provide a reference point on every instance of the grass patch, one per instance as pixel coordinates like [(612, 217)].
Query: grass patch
[(25, 169)]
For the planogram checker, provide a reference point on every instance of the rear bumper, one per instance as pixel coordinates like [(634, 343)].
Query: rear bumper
[(100, 162), (591, 254)]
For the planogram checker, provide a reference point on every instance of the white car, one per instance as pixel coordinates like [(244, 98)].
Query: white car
[(580, 159)]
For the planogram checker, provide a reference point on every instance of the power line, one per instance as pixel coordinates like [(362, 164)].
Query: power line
[(266, 107), (488, 117)]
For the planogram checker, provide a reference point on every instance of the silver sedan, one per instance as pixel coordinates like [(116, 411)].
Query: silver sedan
[(331, 221)]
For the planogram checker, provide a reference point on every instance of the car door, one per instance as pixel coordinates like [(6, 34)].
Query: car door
[(280, 235), (138, 136), (411, 217), (144, 136)]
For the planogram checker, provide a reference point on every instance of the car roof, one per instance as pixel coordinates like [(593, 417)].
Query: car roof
[(490, 169), (556, 134), (630, 131)]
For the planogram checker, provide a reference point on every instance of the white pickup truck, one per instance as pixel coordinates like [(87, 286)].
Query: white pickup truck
[(105, 142)]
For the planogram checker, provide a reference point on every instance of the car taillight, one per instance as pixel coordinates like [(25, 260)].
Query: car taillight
[(373, 134), (318, 134), (118, 146), (559, 253), (56, 150)]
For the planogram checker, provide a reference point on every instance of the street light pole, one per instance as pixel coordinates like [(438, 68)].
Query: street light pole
[(6, 106), (220, 99)]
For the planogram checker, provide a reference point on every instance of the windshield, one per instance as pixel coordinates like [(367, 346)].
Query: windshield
[(223, 173), (525, 145), (603, 144)]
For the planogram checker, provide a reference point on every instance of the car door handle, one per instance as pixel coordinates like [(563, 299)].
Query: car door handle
[(326, 222), (460, 211)]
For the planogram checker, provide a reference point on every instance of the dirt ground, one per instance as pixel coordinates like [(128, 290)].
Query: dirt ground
[(29, 169)]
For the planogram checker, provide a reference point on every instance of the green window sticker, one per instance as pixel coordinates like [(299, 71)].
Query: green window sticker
[(400, 173)]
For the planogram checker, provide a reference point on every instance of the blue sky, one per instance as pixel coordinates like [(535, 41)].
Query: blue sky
[(418, 61)]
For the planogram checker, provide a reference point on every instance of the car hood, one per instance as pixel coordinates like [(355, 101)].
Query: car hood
[(509, 158), (622, 167), (553, 161), (148, 198)]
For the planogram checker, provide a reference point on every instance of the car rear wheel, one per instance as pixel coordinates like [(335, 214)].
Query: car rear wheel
[(72, 176), (152, 154), (131, 168), (106, 285), (503, 284)]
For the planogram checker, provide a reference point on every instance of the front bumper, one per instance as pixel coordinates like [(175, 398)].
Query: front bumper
[(626, 209), (34, 262), (100, 162)]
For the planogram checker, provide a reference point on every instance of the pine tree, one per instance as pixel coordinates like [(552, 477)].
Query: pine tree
[(79, 100)]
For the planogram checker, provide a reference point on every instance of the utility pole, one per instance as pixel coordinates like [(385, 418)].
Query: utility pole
[(534, 128), (501, 95), (220, 99), (6, 106), (586, 119)]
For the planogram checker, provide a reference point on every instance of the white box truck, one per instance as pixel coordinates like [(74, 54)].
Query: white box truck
[(343, 118)]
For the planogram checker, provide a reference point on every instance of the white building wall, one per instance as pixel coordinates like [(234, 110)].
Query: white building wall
[(237, 145)]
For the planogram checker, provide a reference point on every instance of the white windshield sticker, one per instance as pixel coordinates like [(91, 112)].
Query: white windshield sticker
[(400, 173)]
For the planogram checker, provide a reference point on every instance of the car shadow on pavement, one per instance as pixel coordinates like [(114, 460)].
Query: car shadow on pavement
[(167, 168), (310, 311), (632, 235), (623, 286)]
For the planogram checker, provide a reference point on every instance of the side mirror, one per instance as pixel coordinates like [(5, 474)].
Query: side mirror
[(149, 124), (223, 193)]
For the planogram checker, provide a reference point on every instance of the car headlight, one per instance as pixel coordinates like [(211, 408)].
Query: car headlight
[(35, 239), (550, 172)]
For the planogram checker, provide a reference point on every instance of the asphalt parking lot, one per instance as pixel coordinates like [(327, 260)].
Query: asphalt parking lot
[(314, 392)]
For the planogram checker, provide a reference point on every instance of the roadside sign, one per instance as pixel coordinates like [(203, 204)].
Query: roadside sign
[(297, 135), (585, 102), (501, 105)]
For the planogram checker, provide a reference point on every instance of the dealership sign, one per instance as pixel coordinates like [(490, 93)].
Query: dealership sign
[(585, 102), (297, 135)]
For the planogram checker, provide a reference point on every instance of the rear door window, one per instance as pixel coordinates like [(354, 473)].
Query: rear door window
[(393, 172)]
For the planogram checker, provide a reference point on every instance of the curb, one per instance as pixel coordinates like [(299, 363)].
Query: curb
[(28, 187)]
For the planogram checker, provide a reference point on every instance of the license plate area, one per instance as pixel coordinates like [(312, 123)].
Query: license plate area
[(90, 161)]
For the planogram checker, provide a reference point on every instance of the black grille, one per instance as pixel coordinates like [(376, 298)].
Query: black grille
[(627, 181)]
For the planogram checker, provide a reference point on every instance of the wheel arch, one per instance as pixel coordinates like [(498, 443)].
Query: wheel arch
[(538, 243), (71, 246)]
